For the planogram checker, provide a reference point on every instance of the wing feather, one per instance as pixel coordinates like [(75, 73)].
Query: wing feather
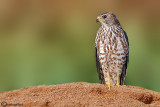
[(125, 66), (99, 68)]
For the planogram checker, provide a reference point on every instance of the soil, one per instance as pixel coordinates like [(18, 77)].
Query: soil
[(80, 94)]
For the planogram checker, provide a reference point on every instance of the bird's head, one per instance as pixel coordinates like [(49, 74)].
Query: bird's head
[(108, 19)]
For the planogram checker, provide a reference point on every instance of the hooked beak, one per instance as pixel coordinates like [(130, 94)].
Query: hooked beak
[(97, 20)]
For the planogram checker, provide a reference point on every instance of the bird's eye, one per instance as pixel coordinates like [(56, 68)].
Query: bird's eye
[(104, 16)]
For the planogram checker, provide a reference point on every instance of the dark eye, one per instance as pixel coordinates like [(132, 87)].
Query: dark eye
[(104, 16)]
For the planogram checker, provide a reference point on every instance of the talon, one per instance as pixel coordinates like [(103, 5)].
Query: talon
[(118, 85), (109, 86)]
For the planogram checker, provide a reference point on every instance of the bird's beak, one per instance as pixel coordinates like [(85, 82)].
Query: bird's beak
[(97, 20)]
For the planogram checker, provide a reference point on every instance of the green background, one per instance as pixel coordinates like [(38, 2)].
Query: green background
[(52, 42)]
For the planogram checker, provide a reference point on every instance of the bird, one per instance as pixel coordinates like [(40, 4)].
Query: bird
[(111, 50)]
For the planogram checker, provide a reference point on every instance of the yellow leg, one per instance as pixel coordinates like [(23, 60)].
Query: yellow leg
[(109, 83), (118, 80)]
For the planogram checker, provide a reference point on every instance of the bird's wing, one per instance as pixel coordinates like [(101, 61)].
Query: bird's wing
[(125, 34), (125, 66), (99, 68)]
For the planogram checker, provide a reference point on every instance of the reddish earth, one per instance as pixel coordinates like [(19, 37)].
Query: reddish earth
[(80, 94)]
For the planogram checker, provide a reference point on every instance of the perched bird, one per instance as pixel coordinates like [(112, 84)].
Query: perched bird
[(111, 50)]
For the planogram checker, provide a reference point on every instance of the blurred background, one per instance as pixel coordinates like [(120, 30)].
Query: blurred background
[(52, 41)]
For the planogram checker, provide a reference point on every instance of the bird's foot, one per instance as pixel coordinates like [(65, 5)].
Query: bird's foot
[(109, 86), (120, 85)]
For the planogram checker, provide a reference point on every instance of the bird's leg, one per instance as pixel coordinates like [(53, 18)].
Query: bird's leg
[(109, 82), (118, 80), (117, 75)]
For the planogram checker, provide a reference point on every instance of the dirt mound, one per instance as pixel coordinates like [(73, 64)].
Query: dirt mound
[(80, 94)]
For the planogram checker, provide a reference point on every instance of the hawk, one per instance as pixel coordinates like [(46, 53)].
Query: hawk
[(111, 50)]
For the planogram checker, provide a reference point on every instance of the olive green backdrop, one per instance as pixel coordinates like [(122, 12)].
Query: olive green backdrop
[(52, 41)]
